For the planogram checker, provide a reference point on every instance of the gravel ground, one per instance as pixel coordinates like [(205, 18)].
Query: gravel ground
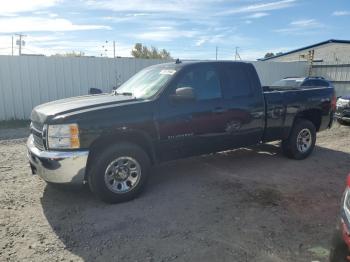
[(251, 204)]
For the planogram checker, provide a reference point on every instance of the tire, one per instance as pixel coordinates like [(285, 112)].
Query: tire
[(291, 146), (119, 173), (339, 250), (343, 123)]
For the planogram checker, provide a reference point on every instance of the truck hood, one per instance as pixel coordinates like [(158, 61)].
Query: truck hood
[(64, 106)]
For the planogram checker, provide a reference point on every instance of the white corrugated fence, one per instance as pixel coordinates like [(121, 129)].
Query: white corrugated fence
[(27, 81)]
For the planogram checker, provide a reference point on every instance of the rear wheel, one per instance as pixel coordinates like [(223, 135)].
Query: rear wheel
[(301, 141), (119, 173)]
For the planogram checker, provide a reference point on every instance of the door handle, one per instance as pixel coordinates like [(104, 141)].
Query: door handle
[(219, 110)]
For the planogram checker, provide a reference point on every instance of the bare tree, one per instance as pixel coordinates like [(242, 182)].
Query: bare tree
[(141, 51)]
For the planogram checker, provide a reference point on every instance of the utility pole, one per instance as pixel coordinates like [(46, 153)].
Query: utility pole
[(237, 54), (105, 49), (113, 49), (310, 58), (216, 53), (12, 45), (20, 42)]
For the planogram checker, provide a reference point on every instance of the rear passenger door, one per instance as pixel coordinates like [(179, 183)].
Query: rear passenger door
[(244, 104)]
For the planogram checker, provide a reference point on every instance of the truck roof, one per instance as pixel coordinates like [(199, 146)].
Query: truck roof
[(179, 64)]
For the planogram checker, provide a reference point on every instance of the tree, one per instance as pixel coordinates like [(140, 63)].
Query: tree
[(71, 54), (142, 51), (267, 55)]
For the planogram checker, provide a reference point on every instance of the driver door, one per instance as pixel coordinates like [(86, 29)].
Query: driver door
[(192, 127)]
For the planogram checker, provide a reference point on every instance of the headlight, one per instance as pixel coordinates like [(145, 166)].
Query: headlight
[(63, 136)]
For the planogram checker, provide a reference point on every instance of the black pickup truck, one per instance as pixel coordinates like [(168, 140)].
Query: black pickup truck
[(165, 112)]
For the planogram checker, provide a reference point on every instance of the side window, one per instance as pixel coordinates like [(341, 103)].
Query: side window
[(309, 83), (315, 82), (236, 82), (205, 81), (321, 83)]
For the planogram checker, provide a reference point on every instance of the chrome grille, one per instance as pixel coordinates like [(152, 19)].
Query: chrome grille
[(37, 126), (343, 103), (38, 142), (36, 129)]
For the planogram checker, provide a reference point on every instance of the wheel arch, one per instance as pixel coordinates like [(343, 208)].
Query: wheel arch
[(131, 136), (313, 115)]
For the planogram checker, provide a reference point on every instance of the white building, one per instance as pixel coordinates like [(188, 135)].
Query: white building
[(330, 51)]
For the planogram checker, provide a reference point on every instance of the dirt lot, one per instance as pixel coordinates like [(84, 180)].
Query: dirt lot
[(251, 204)]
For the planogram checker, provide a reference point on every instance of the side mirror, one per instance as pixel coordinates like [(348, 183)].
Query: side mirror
[(94, 91), (183, 94)]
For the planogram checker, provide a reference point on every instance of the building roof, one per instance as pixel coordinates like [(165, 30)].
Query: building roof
[(308, 47)]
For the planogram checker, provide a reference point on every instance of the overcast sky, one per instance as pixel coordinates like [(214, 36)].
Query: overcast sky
[(186, 28)]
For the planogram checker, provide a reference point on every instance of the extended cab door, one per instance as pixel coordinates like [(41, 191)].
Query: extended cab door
[(244, 104)]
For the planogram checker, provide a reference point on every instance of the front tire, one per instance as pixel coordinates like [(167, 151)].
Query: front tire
[(301, 141), (119, 173)]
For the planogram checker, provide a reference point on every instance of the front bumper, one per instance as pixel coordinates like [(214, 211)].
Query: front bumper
[(345, 218), (344, 225), (57, 166), (343, 114)]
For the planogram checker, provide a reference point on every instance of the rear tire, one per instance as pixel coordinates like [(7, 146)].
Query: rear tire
[(301, 141), (119, 173)]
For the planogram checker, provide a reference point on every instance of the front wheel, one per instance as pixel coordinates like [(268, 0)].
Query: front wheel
[(119, 173), (301, 141)]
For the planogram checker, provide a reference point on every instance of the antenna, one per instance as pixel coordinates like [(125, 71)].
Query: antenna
[(237, 56)]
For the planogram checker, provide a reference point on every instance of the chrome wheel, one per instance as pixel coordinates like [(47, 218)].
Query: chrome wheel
[(304, 140), (122, 174)]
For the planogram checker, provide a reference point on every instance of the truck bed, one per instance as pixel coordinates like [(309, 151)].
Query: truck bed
[(283, 104)]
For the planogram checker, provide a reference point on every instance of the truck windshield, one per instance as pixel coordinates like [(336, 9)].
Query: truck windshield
[(147, 82)]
